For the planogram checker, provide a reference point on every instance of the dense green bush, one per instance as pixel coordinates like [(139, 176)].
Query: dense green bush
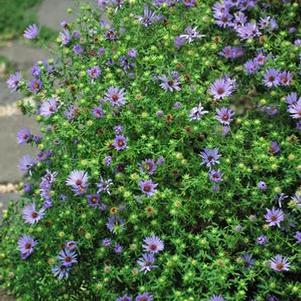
[(169, 160)]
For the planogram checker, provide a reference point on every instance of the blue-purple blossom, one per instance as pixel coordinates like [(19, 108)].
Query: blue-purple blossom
[(144, 297), (26, 163), (262, 185), (67, 257), (171, 82), (271, 78), (31, 32), (262, 240), (298, 237), (65, 37), (97, 112), (279, 263), (115, 96), (148, 187), (48, 107), (216, 298), (274, 217), (197, 112), (148, 165), (35, 85), (78, 181), (14, 81), (124, 298), (295, 109), (224, 115), (149, 17), (119, 143), (153, 244), (26, 246), (115, 222), (23, 136), (94, 72), (146, 262), (61, 271), (210, 156), (215, 176), (222, 87), (31, 215)]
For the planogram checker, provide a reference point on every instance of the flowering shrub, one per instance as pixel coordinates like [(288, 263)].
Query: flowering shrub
[(169, 160)]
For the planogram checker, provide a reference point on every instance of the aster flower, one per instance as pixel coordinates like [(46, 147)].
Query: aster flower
[(78, 181), (26, 163), (146, 262), (35, 85), (43, 155), (115, 96), (230, 52), (23, 136), (110, 35), (191, 34), (215, 176), (108, 160), (48, 107), (94, 201), (119, 143), (279, 263), (292, 98), (197, 113), (170, 83), (67, 257), (149, 166), (61, 271), (274, 217), (71, 112), (248, 259), (285, 78), (216, 298), (94, 72), (78, 49), (262, 185), (261, 240), (31, 32), (295, 109), (27, 187), (144, 297), (97, 112), (104, 185), (223, 19), (271, 78), (248, 31), (179, 41), (31, 215), (114, 223), (224, 115), (124, 298), (296, 198), (298, 237), (153, 244), (71, 245), (118, 129), (210, 156), (189, 3), (65, 37), (106, 242), (149, 17), (222, 87), (26, 245), (36, 71), (118, 248), (274, 148), (14, 81), (148, 187), (251, 66)]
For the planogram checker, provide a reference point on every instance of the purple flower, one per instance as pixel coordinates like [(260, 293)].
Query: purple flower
[(148, 18), (222, 87), (179, 41), (35, 71), (124, 298), (251, 66), (78, 181), (285, 78), (292, 98), (71, 245), (119, 143), (191, 34), (296, 198), (146, 262), (261, 240), (31, 215), (71, 112), (106, 242), (104, 185), (118, 248), (27, 187), (148, 187), (189, 3), (224, 116), (216, 298), (210, 156), (160, 160), (149, 166), (295, 109), (153, 244), (65, 37), (26, 163), (94, 72), (14, 81), (248, 31), (61, 271), (35, 85), (108, 160), (230, 52), (118, 129), (48, 107), (115, 222), (249, 261), (298, 237), (23, 136), (115, 96), (223, 19), (78, 49), (132, 53), (144, 297), (43, 155), (274, 217), (31, 32), (67, 257), (279, 263), (97, 112), (170, 83), (196, 113), (94, 201), (274, 148), (215, 176), (271, 78), (262, 186), (110, 35), (26, 245)]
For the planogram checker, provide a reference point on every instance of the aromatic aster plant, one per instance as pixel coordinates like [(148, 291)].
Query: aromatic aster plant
[(169, 156)]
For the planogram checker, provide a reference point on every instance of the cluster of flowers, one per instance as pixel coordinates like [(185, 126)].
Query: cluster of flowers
[(107, 138)]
